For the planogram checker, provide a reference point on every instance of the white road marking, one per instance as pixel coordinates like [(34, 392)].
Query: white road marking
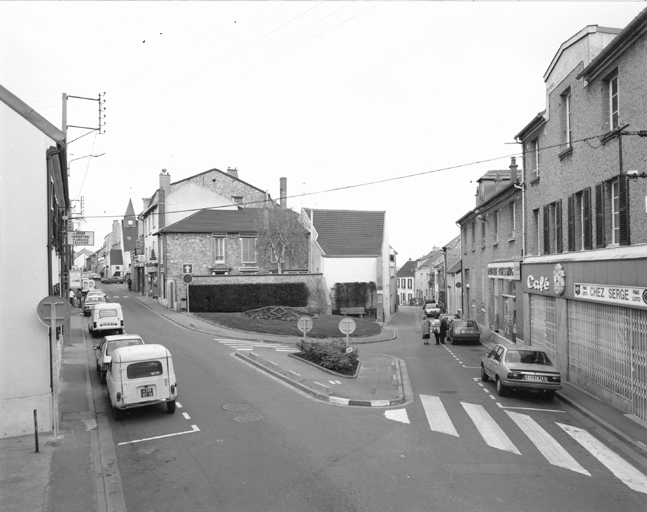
[(186, 415), (629, 475), (546, 444), (490, 431), (397, 415), (178, 404), (334, 382), (194, 427), (437, 416)]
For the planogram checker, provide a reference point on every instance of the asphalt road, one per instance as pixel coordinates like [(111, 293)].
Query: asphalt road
[(243, 441)]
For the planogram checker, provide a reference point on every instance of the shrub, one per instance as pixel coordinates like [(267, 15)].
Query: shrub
[(329, 354), (234, 298)]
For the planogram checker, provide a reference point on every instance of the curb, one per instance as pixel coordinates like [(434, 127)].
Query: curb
[(292, 378)]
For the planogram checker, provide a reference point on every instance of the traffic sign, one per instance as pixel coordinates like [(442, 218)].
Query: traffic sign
[(305, 324), (187, 278), (347, 325), (53, 311), (187, 268)]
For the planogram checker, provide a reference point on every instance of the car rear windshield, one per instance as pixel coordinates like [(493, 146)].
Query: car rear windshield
[(527, 357), (122, 343), (465, 324), (144, 369), (107, 312)]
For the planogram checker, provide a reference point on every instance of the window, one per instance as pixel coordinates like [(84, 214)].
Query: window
[(513, 218), (483, 235), (615, 213), (237, 199), (473, 234), (144, 369), (536, 230), (553, 227), (614, 107), (579, 221), (532, 154), (612, 212), (409, 283), (566, 119), (398, 283), (218, 246), (496, 227), (248, 250)]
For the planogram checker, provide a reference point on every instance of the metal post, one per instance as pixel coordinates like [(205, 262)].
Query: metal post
[(54, 349), (187, 298), (36, 429)]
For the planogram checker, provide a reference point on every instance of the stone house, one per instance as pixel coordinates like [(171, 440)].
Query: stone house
[(349, 246), (491, 237), (425, 283), (405, 283), (584, 277)]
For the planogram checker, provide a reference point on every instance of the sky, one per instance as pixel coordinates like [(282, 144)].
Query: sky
[(386, 106)]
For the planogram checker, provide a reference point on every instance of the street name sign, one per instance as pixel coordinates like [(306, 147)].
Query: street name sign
[(80, 237)]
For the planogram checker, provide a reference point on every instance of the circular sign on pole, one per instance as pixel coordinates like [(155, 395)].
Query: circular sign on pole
[(53, 311), (305, 324), (187, 278), (347, 325)]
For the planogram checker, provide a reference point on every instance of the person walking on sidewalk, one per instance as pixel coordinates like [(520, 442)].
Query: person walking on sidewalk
[(130, 283), (426, 330), (443, 329), (435, 328)]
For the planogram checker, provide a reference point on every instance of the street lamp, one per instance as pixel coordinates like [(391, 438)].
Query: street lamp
[(79, 158)]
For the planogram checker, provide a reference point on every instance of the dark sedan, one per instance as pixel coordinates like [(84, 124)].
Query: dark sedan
[(113, 279), (463, 330)]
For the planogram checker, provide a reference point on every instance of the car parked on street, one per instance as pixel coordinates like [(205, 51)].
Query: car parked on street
[(103, 351), (521, 367), (104, 317), (431, 309), (90, 301), (112, 280), (460, 330), (96, 292), (139, 376)]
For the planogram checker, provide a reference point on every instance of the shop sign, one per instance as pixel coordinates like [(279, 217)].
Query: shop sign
[(507, 270), (544, 284), (621, 295)]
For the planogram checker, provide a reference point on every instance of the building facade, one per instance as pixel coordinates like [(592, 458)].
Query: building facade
[(584, 279), (405, 283)]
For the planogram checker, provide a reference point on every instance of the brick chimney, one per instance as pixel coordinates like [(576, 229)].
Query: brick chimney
[(164, 190), (232, 172), (284, 192), (513, 170)]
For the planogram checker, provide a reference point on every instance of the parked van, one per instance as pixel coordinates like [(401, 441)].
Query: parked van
[(87, 284), (106, 317), (141, 375)]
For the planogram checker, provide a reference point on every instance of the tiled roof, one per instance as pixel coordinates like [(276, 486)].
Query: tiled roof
[(349, 232), (217, 221), (408, 269)]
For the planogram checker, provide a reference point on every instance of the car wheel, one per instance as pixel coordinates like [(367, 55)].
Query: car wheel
[(501, 390), (118, 413), (484, 376), (102, 376), (170, 407)]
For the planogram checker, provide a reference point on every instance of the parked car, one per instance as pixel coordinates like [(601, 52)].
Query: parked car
[(139, 376), (107, 316), (90, 301), (520, 368), (448, 318), (463, 330), (103, 351), (94, 275), (96, 292), (431, 309), (113, 279)]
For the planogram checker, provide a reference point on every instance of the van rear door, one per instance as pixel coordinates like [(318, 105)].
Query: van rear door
[(146, 381)]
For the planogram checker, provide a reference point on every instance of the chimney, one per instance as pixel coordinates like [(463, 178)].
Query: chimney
[(164, 190), (165, 181), (513, 170), (232, 172), (284, 192)]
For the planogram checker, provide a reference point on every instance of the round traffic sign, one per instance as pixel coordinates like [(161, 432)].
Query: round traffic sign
[(53, 308), (187, 278), (304, 323), (347, 325)]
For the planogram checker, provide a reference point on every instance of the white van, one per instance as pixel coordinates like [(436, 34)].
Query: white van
[(141, 375), (87, 285), (106, 317)]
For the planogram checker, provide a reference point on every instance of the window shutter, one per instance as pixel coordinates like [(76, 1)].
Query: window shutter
[(546, 229), (586, 218), (623, 189), (559, 243), (570, 209), (599, 215)]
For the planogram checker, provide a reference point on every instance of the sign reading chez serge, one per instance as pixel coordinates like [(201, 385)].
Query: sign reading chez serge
[(549, 279)]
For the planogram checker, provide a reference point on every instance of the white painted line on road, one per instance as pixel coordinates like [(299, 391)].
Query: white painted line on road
[(178, 404), (530, 409), (397, 415), (546, 444), (194, 427), (629, 475), (334, 382), (490, 431), (186, 415), (437, 416)]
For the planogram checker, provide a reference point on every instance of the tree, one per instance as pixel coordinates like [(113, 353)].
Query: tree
[(281, 234)]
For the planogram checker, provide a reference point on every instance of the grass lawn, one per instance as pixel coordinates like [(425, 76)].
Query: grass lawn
[(326, 326)]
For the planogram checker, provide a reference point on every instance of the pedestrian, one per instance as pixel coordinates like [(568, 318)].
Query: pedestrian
[(443, 329), (72, 298), (435, 328), (426, 330), (130, 282)]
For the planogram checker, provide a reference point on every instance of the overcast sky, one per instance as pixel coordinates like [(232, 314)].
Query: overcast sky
[(421, 97)]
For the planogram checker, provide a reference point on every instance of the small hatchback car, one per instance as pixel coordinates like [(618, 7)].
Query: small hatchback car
[(463, 330), (520, 368), (141, 375), (91, 301), (103, 351)]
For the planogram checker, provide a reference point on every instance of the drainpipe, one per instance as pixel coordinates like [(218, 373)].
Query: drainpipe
[(522, 186), (460, 229)]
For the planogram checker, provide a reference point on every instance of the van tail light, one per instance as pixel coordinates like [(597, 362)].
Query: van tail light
[(118, 396), (122, 323), (172, 388), (94, 324)]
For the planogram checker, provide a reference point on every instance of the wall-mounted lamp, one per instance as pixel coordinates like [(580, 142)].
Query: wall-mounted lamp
[(481, 218)]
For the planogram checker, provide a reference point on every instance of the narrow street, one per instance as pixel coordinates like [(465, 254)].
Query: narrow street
[(242, 440)]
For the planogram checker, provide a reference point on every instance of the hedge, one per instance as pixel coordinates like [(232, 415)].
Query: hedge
[(233, 298)]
